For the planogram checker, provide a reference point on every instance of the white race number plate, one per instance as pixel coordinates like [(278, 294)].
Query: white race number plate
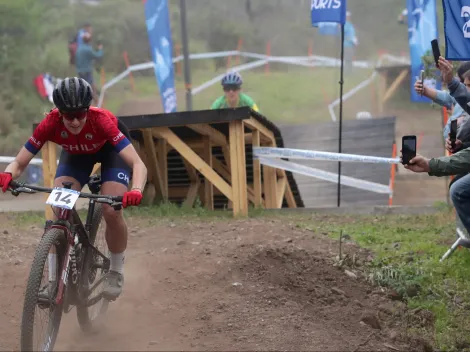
[(63, 198)]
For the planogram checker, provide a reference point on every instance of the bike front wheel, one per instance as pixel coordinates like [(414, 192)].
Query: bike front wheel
[(40, 296), (92, 306)]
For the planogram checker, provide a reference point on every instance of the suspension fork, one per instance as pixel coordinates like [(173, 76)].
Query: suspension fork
[(64, 272)]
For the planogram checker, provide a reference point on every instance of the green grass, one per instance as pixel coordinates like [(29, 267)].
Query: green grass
[(407, 252), (295, 95)]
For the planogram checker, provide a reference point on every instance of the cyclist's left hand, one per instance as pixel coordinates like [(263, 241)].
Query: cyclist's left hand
[(133, 197)]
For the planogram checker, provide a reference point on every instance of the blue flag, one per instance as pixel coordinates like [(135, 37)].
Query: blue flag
[(457, 29), (422, 28), (328, 11), (159, 33)]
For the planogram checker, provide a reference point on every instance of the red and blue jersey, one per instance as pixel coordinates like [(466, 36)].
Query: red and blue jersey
[(101, 126)]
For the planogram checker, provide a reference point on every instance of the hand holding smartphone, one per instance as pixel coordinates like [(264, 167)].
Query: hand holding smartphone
[(435, 51), (422, 81), (408, 148), (453, 133)]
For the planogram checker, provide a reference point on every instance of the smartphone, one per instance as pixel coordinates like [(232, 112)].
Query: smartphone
[(435, 51), (422, 80), (453, 132), (408, 148)]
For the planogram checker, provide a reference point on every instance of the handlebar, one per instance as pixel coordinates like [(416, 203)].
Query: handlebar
[(20, 187)]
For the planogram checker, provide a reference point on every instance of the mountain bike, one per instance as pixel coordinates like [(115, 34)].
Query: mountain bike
[(76, 266)]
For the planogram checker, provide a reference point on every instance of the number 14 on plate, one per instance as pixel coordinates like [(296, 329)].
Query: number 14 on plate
[(63, 198)]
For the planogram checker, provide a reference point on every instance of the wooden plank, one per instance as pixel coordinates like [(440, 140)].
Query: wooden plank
[(195, 160), (234, 168), (185, 118), (291, 203), (269, 185), (194, 184), (253, 124), (258, 200), (222, 170), (162, 152), (208, 188), (238, 168), (191, 195), (242, 161), (143, 155), (281, 190), (153, 163), (48, 182), (216, 136)]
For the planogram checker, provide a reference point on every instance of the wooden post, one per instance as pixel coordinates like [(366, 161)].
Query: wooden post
[(49, 167), (208, 188), (258, 201), (238, 168), (270, 184), (162, 152)]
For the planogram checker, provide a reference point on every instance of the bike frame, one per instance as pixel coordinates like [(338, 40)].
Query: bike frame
[(70, 229), (70, 223)]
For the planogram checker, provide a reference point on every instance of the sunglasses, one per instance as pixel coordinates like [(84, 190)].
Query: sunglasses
[(231, 87), (79, 115)]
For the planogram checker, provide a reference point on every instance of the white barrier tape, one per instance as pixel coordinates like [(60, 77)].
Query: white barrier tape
[(9, 159), (141, 67), (313, 61), (300, 154), (325, 175), (349, 94)]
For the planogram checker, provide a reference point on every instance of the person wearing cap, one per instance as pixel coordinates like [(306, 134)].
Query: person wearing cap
[(350, 42), (233, 97), (84, 61)]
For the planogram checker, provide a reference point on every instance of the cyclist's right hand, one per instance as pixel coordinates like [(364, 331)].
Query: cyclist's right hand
[(5, 179)]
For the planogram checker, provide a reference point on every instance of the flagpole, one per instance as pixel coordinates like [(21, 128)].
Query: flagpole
[(340, 112)]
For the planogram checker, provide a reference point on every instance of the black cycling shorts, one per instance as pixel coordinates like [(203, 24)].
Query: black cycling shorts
[(80, 166)]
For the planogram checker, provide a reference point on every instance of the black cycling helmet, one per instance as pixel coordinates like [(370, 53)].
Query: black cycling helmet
[(72, 94)]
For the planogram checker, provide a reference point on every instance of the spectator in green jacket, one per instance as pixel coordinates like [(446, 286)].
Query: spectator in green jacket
[(84, 59)]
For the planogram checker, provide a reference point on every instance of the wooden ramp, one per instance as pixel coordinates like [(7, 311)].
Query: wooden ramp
[(206, 154), (374, 137)]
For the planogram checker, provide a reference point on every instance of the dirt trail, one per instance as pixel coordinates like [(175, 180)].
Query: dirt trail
[(243, 285)]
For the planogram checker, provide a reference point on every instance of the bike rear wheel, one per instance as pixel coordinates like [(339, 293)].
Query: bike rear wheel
[(88, 314), (43, 296)]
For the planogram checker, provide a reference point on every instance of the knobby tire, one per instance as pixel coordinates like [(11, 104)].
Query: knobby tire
[(52, 237)]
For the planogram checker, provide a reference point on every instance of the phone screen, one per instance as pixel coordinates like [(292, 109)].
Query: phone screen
[(408, 149), (453, 129), (436, 51)]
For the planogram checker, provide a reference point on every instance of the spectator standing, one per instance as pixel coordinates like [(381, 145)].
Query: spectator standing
[(350, 43), (78, 40), (84, 61)]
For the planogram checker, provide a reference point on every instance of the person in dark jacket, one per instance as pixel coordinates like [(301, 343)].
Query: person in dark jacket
[(459, 163)]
